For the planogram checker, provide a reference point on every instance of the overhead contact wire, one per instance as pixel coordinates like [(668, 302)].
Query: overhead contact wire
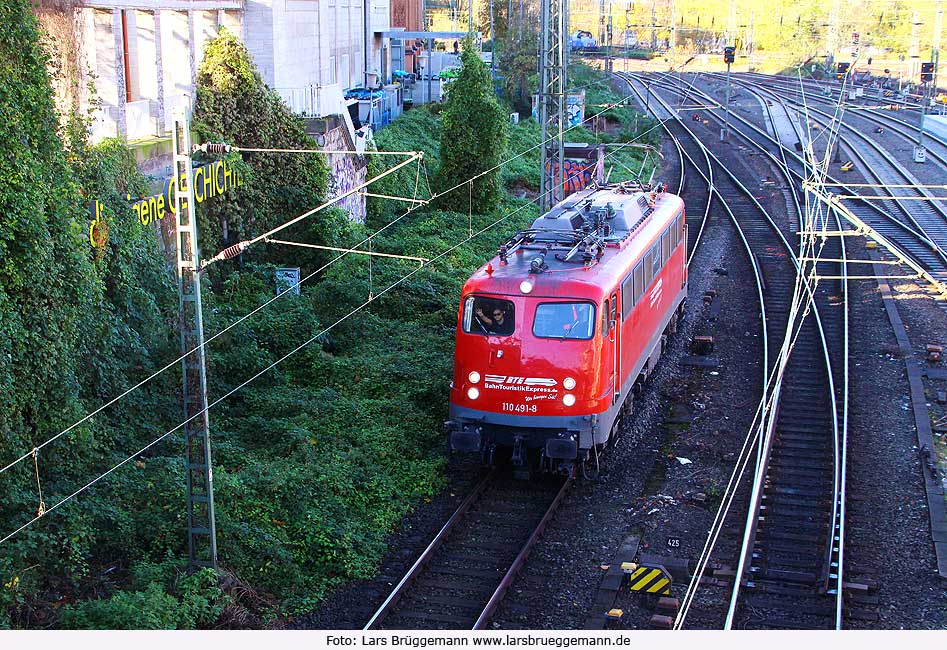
[(239, 387)]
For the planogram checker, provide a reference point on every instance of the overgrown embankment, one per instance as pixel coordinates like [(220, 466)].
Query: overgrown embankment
[(316, 460)]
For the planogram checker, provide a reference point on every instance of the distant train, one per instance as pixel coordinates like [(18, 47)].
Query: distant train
[(582, 41), (557, 331)]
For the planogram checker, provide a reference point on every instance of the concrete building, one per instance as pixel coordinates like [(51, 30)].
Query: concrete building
[(130, 63), (141, 56)]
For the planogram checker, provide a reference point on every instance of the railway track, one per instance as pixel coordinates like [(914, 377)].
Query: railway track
[(893, 220), (921, 212), (914, 226), (787, 550), (460, 579)]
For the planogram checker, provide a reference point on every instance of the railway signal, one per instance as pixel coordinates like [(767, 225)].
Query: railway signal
[(729, 56), (927, 72)]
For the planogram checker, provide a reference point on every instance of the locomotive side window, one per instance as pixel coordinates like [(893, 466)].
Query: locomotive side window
[(488, 316), (605, 312), (564, 320), (666, 245), (639, 281), (628, 294)]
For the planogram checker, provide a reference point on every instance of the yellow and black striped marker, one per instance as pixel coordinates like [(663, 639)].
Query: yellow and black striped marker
[(650, 580), (848, 166)]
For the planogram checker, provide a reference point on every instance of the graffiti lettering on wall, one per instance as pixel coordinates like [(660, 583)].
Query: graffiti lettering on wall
[(210, 180), (575, 109), (578, 174)]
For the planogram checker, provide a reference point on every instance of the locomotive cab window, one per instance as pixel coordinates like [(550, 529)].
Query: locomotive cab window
[(564, 320), (488, 316)]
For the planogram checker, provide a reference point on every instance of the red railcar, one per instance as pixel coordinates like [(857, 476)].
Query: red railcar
[(555, 333)]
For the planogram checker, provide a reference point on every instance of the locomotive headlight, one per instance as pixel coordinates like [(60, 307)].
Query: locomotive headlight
[(473, 393), (568, 399), (526, 286), (568, 383), (473, 377)]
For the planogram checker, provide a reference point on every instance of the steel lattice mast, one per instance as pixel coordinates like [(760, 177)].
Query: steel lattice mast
[(552, 99), (201, 526)]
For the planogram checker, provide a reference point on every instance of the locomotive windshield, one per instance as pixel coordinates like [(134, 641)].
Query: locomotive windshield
[(488, 316), (564, 320)]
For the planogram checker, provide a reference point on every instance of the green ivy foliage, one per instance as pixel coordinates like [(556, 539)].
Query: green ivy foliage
[(235, 106), (473, 136), (318, 459), (48, 289), (76, 328)]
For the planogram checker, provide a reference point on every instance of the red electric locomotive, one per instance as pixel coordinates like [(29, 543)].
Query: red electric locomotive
[(556, 332)]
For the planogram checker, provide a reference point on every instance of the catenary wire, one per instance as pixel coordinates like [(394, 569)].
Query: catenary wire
[(260, 373), (292, 287)]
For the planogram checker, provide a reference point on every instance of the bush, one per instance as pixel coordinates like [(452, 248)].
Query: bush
[(196, 603)]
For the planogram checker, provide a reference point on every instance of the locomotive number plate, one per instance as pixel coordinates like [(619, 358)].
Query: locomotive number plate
[(510, 407)]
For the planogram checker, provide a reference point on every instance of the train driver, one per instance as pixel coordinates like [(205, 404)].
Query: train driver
[(494, 320)]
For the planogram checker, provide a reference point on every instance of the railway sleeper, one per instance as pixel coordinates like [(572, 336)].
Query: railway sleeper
[(409, 603), (783, 575), (804, 533), (811, 443), (448, 619), (490, 574), (790, 470), (779, 489), (764, 602), (772, 561), (439, 582), (796, 429), (784, 553), (806, 454), (797, 475), (802, 501)]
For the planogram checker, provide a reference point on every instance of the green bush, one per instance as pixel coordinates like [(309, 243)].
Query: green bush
[(195, 603)]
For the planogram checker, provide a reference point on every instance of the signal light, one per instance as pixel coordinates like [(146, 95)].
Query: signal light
[(729, 54), (927, 72), (843, 67)]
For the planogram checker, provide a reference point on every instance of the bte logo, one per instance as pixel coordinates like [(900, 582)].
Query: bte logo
[(519, 381)]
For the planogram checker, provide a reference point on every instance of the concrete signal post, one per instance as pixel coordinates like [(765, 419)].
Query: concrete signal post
[(729, 56)]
